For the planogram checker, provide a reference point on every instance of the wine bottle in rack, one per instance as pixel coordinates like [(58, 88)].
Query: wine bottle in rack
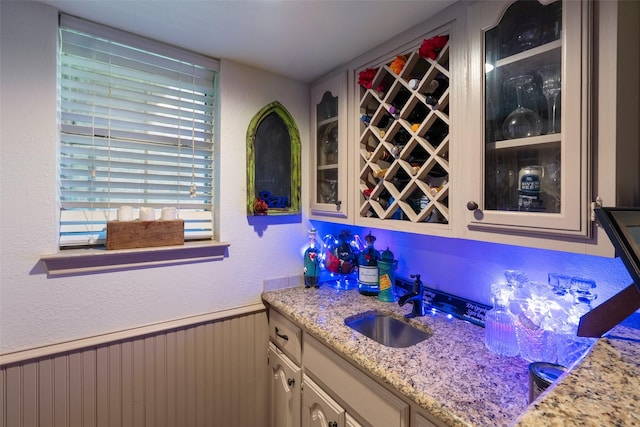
[(399, 101), (435, 89), (385, 123), (401, 137), (436, 133), (418, 114), (379, 174), (396, 150)]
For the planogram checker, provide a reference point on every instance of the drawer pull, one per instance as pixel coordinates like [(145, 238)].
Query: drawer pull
[(333, 424), (291, 382), (283, 336)]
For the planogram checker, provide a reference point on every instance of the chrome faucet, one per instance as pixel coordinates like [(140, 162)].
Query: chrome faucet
[(415, 297)]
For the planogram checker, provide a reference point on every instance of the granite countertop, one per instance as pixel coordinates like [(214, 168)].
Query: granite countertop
[(456, 379), (603, 390), (451, 374)]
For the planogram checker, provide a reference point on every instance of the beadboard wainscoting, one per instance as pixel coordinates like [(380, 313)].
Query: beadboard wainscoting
[(208, 373)]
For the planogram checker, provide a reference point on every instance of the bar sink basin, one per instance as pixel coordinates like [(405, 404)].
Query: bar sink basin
[(386, 330)]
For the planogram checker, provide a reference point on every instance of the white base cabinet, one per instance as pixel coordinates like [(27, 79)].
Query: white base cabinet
[(364, 398), (285, 389), (325, 390)]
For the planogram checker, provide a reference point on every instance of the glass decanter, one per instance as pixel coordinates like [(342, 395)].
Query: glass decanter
[(499, 328)]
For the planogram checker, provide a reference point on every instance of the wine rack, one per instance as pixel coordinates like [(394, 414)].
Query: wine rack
[(404, 137)]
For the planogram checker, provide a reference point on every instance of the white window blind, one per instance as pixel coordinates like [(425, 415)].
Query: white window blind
[(136, 128)]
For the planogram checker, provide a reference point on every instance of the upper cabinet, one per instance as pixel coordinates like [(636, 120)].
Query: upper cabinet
[(503, 121), (329, 149), (528, 144)]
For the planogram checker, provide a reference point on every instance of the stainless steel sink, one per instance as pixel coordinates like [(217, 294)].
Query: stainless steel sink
[(386, 330)]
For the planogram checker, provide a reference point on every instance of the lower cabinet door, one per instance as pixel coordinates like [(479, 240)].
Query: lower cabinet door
[(350, 422), (285, 390), (318, 409)]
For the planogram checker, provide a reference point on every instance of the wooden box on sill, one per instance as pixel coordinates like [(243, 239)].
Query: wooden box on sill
[(144, 234)]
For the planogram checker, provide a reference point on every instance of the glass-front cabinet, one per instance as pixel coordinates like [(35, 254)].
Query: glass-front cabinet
[(528, 139), (329, 148)]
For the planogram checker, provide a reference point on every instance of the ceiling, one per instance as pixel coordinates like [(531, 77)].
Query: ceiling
[(300, 39)]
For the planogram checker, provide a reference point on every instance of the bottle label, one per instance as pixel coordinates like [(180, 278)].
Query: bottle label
[(385, 282), (368, 275)]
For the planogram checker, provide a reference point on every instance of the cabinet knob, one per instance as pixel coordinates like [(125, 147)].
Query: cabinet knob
[(333, 424), (291, 382), (338, 204), (472, 206)]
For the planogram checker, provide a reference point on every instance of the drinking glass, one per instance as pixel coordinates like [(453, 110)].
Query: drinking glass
[(521, 122), (560, 284), (551, 87), (526, 36), (581, 290)]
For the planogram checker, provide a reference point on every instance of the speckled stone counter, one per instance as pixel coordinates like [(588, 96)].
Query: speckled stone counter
[(451, 374), (603, 390)]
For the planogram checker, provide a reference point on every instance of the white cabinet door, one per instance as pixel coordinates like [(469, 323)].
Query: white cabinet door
[(285, 390), (329, 149), (318, 409), (420, 421), (527, 148), (351, 422)]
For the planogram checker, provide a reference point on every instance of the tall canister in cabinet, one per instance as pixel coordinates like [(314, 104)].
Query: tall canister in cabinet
[(529, 179)]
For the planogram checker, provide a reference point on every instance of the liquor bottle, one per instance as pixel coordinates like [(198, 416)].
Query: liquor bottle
[(368, 273), (311, 262)]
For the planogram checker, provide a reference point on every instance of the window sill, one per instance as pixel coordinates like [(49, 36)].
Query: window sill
[(96, 260)]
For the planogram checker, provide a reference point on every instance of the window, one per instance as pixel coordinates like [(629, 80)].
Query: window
[(136, 128)]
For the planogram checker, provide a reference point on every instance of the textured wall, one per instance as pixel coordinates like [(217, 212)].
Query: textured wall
[(35, 310)]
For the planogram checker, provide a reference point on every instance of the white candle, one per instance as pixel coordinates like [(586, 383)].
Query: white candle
[(168, 213), (147, 214), (125, 213)]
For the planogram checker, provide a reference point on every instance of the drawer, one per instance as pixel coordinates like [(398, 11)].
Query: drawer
[(284, 334), (361, 394)]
